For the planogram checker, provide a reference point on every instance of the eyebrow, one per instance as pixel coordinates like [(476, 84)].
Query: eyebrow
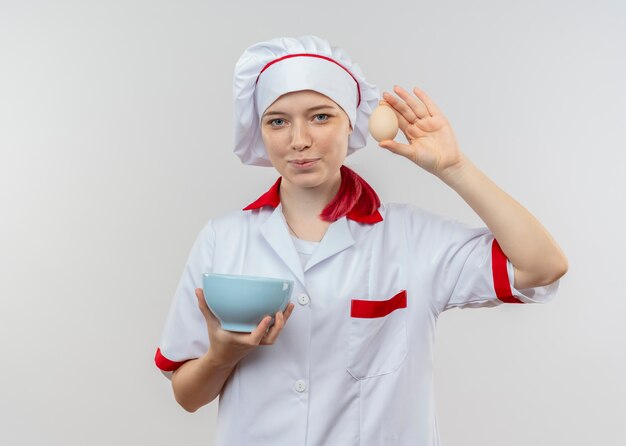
[(317, 107)]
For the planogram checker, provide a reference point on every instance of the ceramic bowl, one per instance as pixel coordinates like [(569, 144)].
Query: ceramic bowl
[(241, 302)]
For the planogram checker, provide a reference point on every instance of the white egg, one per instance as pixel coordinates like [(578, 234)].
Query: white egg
[(383, 123)]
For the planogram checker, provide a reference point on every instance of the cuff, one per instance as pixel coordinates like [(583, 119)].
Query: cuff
[(165, 364), (502, 284), (504, 279)]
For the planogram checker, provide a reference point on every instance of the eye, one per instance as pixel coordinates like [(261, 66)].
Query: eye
[(276, 122), (322, 117)]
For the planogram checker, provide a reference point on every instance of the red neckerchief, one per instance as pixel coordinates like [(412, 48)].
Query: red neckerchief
[(272, 198)]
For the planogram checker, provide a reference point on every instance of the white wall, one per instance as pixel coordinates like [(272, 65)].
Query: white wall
[(115, 139)]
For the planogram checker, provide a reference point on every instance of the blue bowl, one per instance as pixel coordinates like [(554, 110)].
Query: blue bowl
[(241, 302)]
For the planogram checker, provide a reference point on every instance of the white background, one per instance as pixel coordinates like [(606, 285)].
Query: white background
[(116, 147)]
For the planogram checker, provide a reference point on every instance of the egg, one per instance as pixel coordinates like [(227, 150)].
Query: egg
[(383, 123)]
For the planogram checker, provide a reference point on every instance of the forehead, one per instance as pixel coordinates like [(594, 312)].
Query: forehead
[(303, 99)]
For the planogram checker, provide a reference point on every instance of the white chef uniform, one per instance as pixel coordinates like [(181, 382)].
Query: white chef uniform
[(354, 363)]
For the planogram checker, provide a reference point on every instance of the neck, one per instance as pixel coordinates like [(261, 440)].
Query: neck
[(307, 202)]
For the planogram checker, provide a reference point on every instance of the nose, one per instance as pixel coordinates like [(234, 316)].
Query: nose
[(300, 137)]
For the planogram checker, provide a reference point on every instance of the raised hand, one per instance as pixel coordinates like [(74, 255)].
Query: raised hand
[(432, 142)]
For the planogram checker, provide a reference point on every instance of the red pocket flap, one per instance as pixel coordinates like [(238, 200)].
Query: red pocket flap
[(377, 308)]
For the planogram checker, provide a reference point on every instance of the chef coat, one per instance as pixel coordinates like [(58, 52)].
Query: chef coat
[(354, 363)]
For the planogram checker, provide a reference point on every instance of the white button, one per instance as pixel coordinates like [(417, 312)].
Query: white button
[(303, 299), (300, 385)]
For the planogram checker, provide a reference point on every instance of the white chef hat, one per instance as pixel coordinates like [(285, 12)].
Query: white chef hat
[(267, 70)]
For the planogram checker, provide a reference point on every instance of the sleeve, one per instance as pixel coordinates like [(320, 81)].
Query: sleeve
[(185, 335), (469, 269)]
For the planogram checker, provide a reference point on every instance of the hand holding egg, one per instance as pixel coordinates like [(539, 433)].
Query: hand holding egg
[(432, 144)]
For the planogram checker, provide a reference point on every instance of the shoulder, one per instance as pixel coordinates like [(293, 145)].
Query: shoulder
[(415, 220), (239, 220), (409, 213), (231, 218)]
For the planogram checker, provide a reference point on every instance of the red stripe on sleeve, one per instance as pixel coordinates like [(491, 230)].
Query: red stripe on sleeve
[(377, 308), (501, 281), (165, 364)]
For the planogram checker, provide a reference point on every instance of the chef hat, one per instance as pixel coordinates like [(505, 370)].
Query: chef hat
[(267, 70)]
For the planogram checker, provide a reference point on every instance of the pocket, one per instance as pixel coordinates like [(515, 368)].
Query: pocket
[(377, 340)]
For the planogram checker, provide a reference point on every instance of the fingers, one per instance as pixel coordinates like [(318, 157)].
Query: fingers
[(412, 109), (398, 148), (204, 308), (262, 334), (404, 113), (280, 321), (259, 332), (289, 310), (201, 302), (430, 105), (419, 109), (272, 333)]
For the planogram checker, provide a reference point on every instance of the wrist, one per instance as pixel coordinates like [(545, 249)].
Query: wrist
[(454, 175), (214, 360)]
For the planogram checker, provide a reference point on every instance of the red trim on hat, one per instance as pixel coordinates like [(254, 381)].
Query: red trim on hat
[(501, 281), (272, 198), (165, 364), (377, 308), (289, 56)]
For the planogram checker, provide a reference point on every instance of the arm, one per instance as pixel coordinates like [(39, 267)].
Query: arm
[(536, 258), (199, 381)]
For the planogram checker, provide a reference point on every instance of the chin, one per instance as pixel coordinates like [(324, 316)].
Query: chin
[(309, 179), (306, 182)]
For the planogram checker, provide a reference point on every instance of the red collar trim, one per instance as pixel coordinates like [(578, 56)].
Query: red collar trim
[(269, 198), (272, 198)]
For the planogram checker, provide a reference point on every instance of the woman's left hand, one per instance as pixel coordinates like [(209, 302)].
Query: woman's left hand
[(432, 143)]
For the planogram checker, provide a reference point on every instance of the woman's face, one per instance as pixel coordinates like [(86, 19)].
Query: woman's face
[(306, 137)]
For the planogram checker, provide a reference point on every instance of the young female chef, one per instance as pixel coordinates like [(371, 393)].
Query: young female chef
[(353, 365)]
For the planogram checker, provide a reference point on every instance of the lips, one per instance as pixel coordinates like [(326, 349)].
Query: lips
[(304, 161), (304, 164)]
